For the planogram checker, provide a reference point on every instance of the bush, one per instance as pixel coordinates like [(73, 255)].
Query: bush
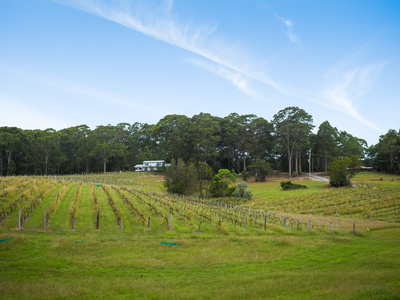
[(230, 190), (242, 191), (261, 169), (341, 170), (220, 183), (248, 194), (288, 185)]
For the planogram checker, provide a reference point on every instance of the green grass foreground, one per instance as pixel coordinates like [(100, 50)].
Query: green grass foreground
[(115, 265), (131, 263)]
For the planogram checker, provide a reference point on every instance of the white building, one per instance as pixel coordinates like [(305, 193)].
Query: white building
[(151, 165)]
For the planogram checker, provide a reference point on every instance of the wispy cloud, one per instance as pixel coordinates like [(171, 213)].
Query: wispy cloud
[(89, 92), (348, 86), (290, 31), (222, 58), (166, 28), (240, 80)]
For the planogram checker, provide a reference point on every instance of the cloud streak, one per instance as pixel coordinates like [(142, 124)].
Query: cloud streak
[(164, 27), (223, 59), (348, 87), (89, 92), (238, 79), (290, 31)]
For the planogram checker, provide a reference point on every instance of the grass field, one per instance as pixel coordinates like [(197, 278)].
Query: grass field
[(126, 258)]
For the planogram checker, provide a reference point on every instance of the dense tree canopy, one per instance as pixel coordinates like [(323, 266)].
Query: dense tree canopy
[(238, 143), (292, 128)]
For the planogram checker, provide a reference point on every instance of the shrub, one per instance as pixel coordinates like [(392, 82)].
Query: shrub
[(242, 191), (220, 183), (341, 170), (248, 194), (288, 185)]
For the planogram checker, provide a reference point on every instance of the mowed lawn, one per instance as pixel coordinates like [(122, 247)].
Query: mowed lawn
[(137, 263)]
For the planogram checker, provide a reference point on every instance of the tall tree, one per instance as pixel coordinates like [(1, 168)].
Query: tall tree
[(388, 150), (205, 132), (10, 138), (292, 126), (173, 136), (107, 144), (262, 145), (325, 143), (49, 145), (349, 145)]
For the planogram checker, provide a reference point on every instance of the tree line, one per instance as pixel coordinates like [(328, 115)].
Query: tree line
[(235, 142)]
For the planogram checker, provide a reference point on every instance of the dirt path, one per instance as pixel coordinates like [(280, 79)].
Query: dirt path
[(320, 178)]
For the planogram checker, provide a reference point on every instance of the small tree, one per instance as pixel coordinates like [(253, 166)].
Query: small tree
[(261, 169), (181, 178), (220, 183), (242, 191), (341, 170)]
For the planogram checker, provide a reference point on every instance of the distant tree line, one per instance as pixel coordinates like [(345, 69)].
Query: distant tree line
[(239, 143)]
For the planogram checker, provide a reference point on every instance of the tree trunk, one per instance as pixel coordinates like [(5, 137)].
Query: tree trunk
[(297, 164), (300, 161), (326, 165), (104, 166), (8, 161), (46, 160), (290, 164)]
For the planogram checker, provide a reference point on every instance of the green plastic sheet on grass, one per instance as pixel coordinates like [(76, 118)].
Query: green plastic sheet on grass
[(170, 244)]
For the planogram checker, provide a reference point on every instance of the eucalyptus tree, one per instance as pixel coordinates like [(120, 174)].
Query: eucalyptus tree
[(349, 145), (263, 142), (239, 137), (10, 140), (75, 145), (247, 136), (388, 149), (325, 143), (107, 144), (292, 126), (205, 132), (230, 136), (49, 146), (173, 136)]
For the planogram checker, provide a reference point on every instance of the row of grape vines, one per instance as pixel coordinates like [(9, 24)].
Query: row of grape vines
[(161, 211)]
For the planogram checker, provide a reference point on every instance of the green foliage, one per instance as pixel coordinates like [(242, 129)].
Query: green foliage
[(261, 169), (236, 142), (181, 178), (248, 194), (385, 155), (288, 185), (204, 175), (242, 191), (341, 170), (220, 183), (292, 128)]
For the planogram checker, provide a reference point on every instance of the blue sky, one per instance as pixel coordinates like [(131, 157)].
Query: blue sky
[(97, 62)]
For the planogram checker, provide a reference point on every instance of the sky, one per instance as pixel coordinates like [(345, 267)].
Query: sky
[(65, 63)]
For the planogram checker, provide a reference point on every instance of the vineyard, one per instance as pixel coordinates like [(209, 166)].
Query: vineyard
[(126, 202), (119, 236)]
